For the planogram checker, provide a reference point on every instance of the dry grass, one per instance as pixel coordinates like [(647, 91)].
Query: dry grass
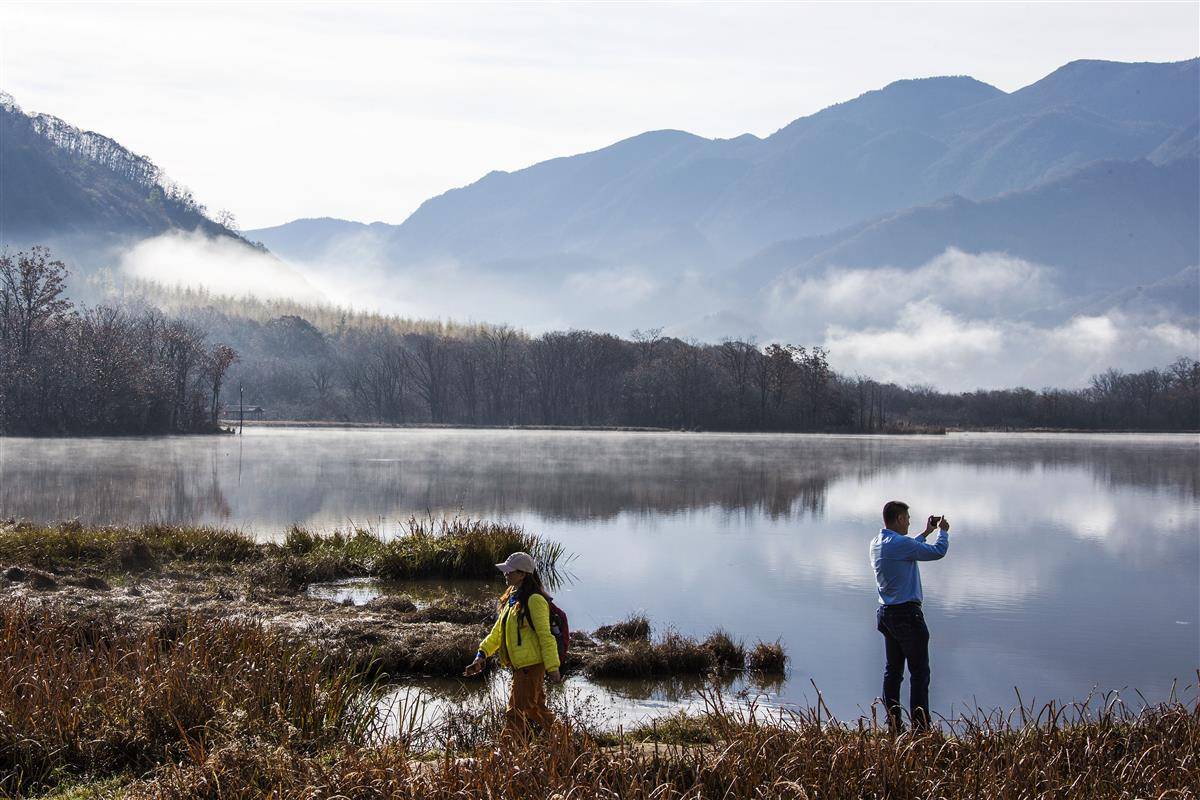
[(675, 654), (768, 657), (81, 697), (1084, 752), (210, 709), (427, 548), (120, 549), (727, 652), (632, 628)]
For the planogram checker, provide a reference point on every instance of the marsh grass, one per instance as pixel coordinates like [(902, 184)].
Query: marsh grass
[(125, 549), (767, 657), (676, 654), (426, 548), (727, 652), (632, 628), (80, 696), (673, 654), (203, 708), (1099, 749)]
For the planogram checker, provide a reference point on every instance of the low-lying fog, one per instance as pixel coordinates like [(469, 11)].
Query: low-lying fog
[(959, 322)]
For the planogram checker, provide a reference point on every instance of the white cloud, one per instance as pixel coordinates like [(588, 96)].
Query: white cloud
[(983, 285), (961, 322), (1085, 336), (222, 265), (927, 340)]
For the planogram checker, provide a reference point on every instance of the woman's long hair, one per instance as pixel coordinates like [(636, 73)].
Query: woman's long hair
[(529, 587)]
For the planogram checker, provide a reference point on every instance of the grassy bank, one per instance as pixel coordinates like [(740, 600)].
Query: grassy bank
[(426, 548), (216, 709)]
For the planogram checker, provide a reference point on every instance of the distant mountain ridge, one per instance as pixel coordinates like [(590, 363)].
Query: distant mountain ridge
[(1093, 224), (676, 201)]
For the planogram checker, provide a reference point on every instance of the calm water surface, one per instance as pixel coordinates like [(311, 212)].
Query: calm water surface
[(1074, 562)]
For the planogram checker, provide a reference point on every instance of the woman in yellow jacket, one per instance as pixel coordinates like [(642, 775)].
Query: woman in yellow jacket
[(523, 638)]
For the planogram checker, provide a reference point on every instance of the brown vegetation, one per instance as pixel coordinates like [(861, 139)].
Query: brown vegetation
[(1081, 752), (767, 657), (206, 708), (428, 547), (633, 627)]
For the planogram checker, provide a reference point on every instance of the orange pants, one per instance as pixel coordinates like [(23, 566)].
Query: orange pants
[(527, 703)]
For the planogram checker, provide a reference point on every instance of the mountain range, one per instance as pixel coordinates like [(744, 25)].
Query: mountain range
[(674, 200), (1091, 173)]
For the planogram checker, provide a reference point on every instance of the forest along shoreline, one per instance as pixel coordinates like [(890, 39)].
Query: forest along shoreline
[(155, 578), (176, 362)]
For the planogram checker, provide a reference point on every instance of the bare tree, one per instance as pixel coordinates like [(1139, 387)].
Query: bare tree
[(183, 349), (429, 366), (500, 364), (31, 289), (740, 359), (219, 359)]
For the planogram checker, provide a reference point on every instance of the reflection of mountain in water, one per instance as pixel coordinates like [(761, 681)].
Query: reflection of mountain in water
[(329, 477)]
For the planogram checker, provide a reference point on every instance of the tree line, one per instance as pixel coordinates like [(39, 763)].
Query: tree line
[(108, 369), (130, 367)]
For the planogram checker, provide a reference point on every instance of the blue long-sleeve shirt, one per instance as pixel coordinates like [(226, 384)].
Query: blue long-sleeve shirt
[(894, 557)]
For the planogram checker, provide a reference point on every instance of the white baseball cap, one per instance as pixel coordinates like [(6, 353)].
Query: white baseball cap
[(522, 562)]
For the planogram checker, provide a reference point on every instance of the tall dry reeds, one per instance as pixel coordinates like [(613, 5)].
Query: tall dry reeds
[(1086, 751), (204, 708), (80, 696)]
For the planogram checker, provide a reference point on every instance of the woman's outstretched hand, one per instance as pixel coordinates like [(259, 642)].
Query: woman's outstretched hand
[(474, 668)]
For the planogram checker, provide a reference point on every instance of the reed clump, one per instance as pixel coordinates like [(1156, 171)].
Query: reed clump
[(461, 548), (727, 653), (768, 657), (632, 628), (676, 654), (438, 548)]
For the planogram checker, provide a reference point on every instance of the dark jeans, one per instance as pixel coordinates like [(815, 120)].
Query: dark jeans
[(905, 638)]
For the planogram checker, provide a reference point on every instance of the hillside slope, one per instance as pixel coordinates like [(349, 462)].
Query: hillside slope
[(84, 193)]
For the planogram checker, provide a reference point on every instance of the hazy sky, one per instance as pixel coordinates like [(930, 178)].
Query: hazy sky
[(279, 111)]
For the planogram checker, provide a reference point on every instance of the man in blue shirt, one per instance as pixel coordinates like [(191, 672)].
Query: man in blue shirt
[(894, 556)]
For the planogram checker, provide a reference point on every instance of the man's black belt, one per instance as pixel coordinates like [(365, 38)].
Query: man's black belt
[(909, 604)]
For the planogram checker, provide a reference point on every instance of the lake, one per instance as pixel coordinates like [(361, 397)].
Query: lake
[(1074, 561)]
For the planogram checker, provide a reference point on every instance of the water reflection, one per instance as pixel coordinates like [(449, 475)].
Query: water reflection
[(421, 706), (271, 478), (1073, 565)]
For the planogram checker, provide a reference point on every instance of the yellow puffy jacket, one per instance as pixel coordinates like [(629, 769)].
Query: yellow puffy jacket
[(523, 647)]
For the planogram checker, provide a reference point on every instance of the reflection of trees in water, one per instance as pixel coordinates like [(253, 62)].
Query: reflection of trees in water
[(125, 494), (337, 476)]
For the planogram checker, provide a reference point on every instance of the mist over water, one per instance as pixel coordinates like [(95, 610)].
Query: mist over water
[(1073, 560), (960, 321)]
